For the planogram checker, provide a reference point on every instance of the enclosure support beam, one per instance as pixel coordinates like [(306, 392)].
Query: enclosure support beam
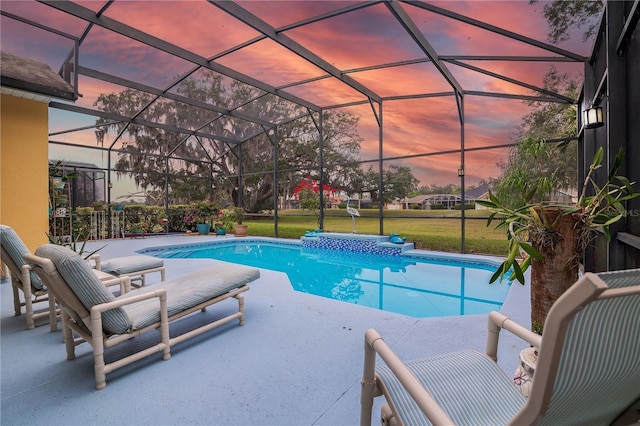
[(240, 190), (380, 169), (272, 134), (321, 177), (109, 185), (166, 191), (461, 173)]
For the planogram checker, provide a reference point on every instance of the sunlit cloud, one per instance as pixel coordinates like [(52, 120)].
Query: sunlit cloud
[(200, 27), (363, 38), (258, 61)]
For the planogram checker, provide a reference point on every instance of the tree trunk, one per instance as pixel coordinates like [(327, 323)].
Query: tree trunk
[(556, 272)]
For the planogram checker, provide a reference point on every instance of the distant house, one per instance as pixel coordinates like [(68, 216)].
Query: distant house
[(475, 194), (448, 201), (395, 204), (410, 202)]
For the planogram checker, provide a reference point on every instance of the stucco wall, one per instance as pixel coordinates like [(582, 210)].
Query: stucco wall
[(24, 172)]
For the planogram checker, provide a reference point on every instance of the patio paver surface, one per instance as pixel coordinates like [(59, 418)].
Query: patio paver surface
[(297, 361)]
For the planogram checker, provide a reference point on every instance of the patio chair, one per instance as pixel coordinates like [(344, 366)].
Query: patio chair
[(24, 280), (91, 311), (135, 267), (34, 291), (588, 369)]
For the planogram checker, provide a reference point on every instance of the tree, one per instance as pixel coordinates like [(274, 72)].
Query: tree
[(309, 200), (530, 175), (144, 149), (535, 168), (198, 163), (299, 152), (311, 188), (562, 15), (436, 189), (399, 182), (363, 181)]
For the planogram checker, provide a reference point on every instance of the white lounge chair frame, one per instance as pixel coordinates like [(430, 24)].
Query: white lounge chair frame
[(21, 282), (11, 250), (623, 409), (89, 324), (139, 275)]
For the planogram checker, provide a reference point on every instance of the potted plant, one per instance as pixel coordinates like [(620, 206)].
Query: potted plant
[(98, 206), (201, 215), (58, 197), (58, 175), (222, 225), (139, 229), (220, 228), (162, 218), (553, 237), (235, 215)]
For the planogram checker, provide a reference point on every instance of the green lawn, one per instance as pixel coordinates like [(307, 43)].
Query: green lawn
[(432, 230)]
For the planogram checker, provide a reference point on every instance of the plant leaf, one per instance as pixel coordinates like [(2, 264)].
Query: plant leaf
[(528, 248), (497, 274), (518, 273)]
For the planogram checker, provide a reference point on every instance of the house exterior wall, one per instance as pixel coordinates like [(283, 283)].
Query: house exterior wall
[(611, 82), (24, 184)]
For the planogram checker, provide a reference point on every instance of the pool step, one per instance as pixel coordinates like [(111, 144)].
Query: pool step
[(379, 244)]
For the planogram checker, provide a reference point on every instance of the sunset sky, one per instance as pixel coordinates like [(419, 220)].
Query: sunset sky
[(351, 43)]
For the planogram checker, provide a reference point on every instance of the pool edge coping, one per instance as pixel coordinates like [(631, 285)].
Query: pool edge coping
[(413, 253)]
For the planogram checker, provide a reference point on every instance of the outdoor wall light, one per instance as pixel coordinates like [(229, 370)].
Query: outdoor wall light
[(461, 171), (110, 185), (592, 118)]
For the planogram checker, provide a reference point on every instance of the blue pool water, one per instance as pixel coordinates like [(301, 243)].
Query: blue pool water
[(413, 286)]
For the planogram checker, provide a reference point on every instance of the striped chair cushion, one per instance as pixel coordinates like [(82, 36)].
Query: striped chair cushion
[(189, 290), (86, 285), (16, 249), (131, 264), (470, 387), (599, 371)]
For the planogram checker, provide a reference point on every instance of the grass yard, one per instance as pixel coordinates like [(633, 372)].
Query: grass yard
[(427, 229)]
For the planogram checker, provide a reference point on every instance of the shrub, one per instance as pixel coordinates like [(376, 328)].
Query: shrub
[(468, 206)]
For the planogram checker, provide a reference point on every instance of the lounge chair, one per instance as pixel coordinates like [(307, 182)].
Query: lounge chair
[(103, 320), (24, 280), (588, 369), (135, 267), (35, 292)]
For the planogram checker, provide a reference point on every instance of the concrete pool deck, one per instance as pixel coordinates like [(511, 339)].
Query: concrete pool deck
[(297, 361)]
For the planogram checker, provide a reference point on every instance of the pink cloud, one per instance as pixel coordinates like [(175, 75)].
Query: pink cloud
[(366, 37), (258, 60), (200, 27)]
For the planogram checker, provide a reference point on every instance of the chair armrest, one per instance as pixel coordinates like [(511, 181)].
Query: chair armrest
[(98, 260), (498, 322), (124, 282), (375, 344), (25, 277), (161, 293), (97, 310)]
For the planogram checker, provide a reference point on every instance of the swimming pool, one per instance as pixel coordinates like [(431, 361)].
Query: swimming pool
[(413, 286)]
